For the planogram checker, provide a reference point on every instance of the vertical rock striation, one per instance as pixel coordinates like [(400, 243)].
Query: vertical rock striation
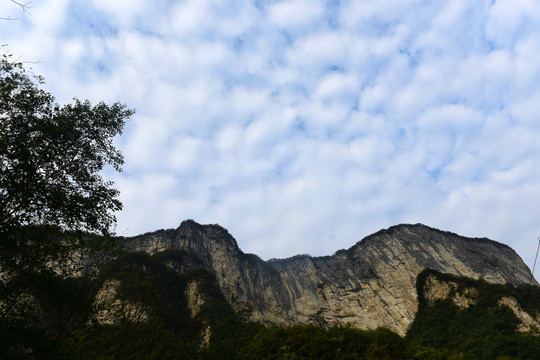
[(369, 285)]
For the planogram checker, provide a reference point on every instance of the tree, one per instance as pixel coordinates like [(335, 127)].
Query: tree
[(51, 192), (51, 156)]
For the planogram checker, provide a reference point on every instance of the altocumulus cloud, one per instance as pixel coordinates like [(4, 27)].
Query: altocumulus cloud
[(302, 126)]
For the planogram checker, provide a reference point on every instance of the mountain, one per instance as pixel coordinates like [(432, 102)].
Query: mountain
[(459, 315), (369, 285)]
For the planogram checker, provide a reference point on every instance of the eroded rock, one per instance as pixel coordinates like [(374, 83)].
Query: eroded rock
[(369, 285)]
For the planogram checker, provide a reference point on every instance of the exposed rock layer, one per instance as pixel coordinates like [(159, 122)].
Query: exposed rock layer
[(528, 323), (369, 285), (437, 288)]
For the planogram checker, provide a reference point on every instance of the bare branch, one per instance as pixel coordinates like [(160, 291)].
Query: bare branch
[(24, 6)]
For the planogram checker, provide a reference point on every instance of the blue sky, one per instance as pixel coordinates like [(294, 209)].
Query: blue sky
[(303, 126)]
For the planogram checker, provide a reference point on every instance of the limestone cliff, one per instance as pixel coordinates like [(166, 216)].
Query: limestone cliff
[(369, 285), (436, 287)]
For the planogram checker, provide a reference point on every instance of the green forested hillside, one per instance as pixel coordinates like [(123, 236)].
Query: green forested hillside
[(148, 314), (155, 321), (485, 329)]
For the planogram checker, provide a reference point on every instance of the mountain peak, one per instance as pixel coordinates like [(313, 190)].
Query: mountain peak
[(369, 285)]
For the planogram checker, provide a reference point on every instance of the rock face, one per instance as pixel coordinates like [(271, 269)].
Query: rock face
[(369, 285), (440, 289)]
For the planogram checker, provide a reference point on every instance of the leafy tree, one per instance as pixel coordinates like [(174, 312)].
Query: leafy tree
[(51, 157), (315, 342), (51, 192)]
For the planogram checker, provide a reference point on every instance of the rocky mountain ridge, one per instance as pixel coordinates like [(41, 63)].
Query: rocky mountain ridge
[(369, 285)]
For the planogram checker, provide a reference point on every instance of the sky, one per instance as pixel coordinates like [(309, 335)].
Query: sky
[(303, 126)]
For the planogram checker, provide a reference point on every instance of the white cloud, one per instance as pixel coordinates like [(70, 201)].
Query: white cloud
[(303, 126), (295, 14), (509, 19), (119, 8)]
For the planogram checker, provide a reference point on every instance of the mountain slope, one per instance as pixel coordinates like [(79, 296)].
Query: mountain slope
[(369, 285), (487, 321)]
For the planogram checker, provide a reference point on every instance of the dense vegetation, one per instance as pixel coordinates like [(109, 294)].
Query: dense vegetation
[(149, 317), (51, 193), (485, 329), (156, 322), (68, 292), (315, 342)]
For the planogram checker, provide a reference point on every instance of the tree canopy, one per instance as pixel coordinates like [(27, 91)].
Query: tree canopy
[(51, 193), (51, 156)]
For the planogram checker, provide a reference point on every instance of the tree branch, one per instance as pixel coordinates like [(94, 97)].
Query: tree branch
[(24, 6)]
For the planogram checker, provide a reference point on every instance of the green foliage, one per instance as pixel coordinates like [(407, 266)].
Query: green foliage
[(51, 156), (336, 342), (163, 328), (18, 341), (128, 340), (229, 330), (34, 321), (51, 191), (484, 330), (167, 330)]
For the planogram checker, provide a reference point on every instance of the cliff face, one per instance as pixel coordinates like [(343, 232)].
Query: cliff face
[(436, 289), (369, 285)]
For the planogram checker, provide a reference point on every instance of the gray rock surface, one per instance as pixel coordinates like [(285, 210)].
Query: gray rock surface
[(369, 285)]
